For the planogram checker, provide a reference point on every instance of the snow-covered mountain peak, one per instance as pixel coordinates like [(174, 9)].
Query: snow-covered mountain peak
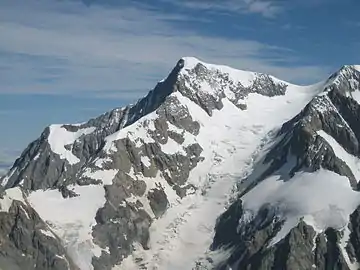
[(345, 81), (143, 160), (346, 72), (208, 84), (189, 62), (139, 185), (245, 77)]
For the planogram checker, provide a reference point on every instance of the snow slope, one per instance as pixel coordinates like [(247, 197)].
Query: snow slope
[(322, 198), (59, 137), (72, 219)]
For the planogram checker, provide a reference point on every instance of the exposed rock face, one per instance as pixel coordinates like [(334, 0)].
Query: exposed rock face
[(40, 168), (301, 249), (223, 85), (353, 246)]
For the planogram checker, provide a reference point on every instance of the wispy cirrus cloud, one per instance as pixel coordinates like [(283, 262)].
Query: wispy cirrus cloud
[(66, 47), (269, 9), (266, 8)]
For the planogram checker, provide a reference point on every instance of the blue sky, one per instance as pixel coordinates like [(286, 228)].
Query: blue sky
[(66, 61)]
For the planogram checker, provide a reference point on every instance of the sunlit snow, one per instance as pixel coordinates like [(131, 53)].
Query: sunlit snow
[(59, 137), (72, 219), (10, 195), (323, 198)]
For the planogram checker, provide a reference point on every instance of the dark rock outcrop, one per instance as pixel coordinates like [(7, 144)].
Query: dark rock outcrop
[(27, 243)]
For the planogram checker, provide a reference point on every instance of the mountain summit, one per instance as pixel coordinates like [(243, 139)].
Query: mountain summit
[(216, 168)]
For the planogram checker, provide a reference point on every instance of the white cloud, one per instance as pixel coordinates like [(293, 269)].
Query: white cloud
[(66, 47), (266, 8)]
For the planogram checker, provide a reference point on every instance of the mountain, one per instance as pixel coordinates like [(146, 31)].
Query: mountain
[(215, 168), (298, 207)]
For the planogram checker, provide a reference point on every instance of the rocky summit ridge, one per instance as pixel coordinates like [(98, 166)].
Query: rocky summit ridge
[(212, 169)]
